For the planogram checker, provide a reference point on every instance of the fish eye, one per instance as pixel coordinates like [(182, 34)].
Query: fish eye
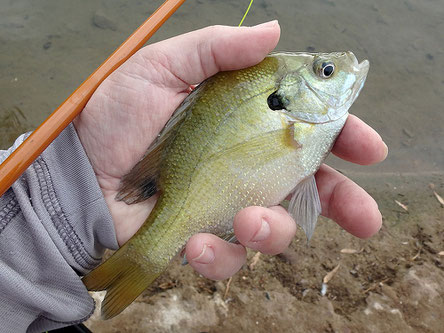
[(324, 69), (275, 102)]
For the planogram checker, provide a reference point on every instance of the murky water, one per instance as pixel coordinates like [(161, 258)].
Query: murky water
[(48, 47)]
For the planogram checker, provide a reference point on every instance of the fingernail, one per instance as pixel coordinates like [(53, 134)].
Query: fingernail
[(267, 24), (263, 232), (206, 256), (385, 150)]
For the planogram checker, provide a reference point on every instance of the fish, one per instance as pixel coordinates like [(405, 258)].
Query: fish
[(242, 138)]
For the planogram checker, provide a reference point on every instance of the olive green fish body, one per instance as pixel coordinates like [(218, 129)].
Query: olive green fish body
[(234, 143), (204, 181)]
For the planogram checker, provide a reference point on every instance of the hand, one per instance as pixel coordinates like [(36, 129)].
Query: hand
[(133, 104)]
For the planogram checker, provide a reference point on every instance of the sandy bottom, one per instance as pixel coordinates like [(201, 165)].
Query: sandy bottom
[(389, 283)]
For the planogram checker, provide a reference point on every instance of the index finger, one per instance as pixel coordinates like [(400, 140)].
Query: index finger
[(359, 143)]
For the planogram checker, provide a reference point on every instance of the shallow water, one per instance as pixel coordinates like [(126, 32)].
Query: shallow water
[(48, 47)]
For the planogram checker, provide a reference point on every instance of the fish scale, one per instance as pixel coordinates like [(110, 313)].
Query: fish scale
[(227, 148)]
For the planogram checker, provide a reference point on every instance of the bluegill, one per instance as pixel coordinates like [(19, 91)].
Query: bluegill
[(241, 138)]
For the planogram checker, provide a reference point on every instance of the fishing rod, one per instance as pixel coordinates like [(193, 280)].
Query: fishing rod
[(16, 163)]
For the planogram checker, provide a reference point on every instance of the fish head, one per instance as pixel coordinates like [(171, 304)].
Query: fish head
[(317, 87)]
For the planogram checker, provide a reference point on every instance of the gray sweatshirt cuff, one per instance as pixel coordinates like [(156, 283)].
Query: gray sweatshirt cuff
[(54, 225)]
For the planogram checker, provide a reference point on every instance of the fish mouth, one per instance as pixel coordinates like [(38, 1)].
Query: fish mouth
[(360, 69), (358, 66)]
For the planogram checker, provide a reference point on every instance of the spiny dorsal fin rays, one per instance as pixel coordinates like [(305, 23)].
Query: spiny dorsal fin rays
[(142, 181)]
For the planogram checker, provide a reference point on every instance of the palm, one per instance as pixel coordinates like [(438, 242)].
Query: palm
[(120, 121), (124, 116)]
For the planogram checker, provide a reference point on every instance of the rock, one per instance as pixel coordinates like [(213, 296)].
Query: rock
[(47, 45)]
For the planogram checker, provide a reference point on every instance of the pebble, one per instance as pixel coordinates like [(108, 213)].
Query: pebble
[(47, 45)]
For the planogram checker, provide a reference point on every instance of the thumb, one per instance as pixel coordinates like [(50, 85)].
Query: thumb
[(197, 55)]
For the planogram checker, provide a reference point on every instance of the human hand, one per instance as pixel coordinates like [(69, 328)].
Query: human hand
[(133, 104)]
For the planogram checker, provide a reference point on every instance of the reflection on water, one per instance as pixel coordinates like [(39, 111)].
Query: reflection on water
[(48, 47)]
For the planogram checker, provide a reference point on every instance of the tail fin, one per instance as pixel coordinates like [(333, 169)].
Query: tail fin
[(123, 280)]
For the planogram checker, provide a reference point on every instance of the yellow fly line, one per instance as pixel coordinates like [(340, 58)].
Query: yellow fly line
[(245, 15)]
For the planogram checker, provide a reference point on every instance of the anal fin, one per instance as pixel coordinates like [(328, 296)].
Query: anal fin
[(305, 205)]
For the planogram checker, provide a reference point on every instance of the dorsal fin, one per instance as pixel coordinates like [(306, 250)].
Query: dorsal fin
[(142, 181)]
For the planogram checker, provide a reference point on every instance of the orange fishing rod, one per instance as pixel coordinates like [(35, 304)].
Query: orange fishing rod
[(37, 142)]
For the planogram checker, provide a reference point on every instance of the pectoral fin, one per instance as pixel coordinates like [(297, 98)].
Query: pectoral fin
[(305, 205)]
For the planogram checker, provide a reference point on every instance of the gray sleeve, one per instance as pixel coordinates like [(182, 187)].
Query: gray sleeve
[(54, 225)]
